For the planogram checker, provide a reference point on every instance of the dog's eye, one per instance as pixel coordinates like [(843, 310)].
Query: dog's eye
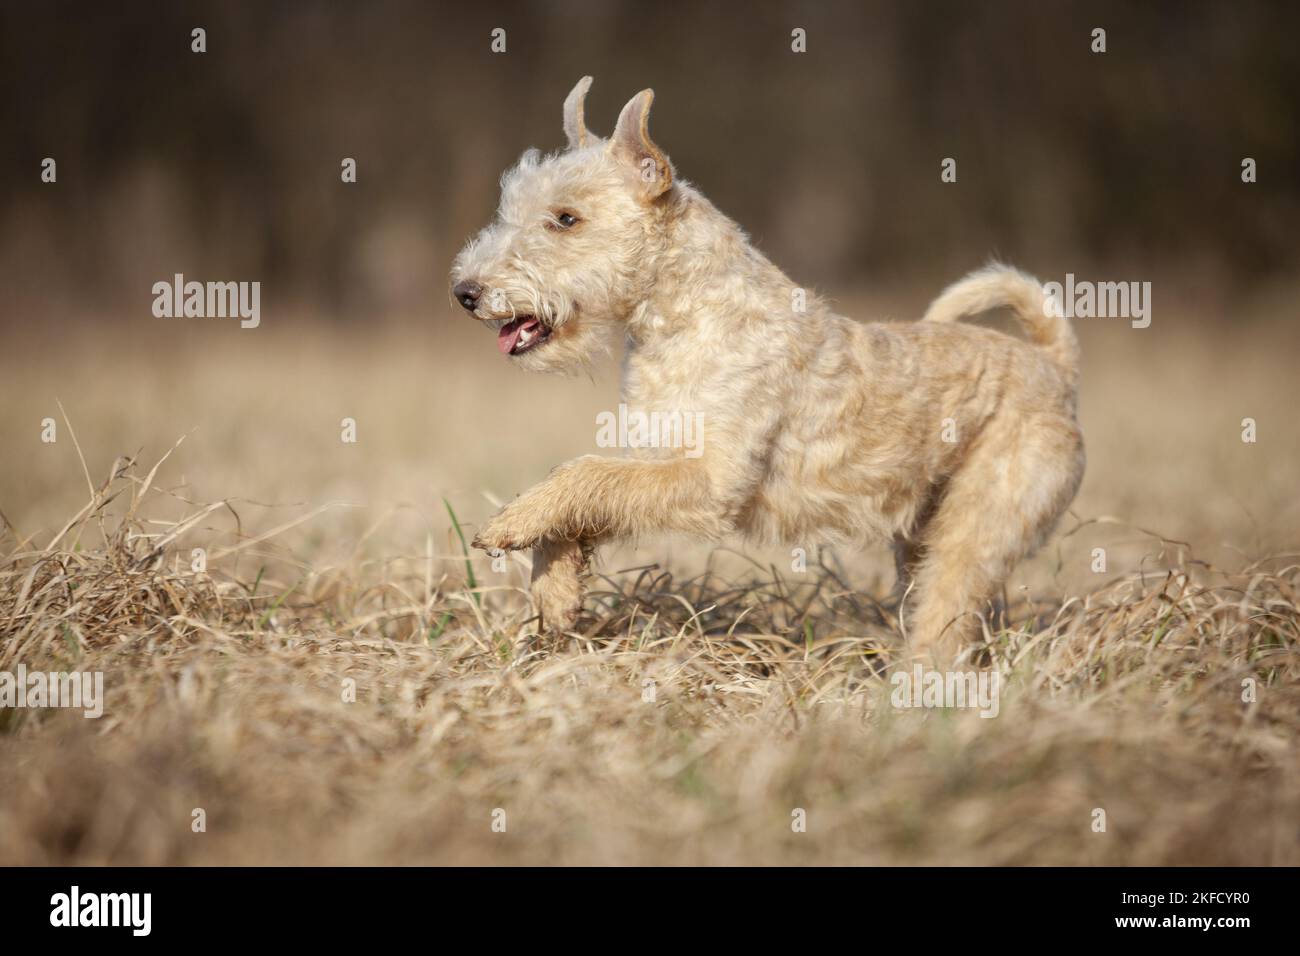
[(565, 220)]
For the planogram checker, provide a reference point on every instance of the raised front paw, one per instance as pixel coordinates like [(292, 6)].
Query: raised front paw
[(513, 528)]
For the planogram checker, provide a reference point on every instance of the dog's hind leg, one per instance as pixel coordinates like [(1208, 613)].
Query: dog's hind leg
[(1011, 489)]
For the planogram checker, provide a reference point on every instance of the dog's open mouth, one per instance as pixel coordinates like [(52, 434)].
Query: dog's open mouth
[(521, 335)]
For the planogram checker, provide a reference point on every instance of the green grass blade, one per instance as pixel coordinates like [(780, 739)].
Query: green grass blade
[(469, 566)]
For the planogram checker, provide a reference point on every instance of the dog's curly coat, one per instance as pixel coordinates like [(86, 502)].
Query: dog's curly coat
[(956, 443)]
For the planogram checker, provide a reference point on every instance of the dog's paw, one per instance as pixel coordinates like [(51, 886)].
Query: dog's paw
[(558, 585), (508, 530)]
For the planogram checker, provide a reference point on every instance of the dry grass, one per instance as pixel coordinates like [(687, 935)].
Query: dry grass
[(227, 694), (771, 689)]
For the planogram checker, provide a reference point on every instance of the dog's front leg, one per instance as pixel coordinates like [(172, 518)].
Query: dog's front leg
[(559, 582), (595, 499)]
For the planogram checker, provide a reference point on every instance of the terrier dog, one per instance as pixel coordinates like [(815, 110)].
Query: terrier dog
[(957, 444)]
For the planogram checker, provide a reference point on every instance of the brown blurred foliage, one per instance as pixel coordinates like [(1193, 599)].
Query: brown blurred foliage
[(225, 165)]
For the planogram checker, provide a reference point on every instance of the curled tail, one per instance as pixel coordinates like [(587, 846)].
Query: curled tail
[(998, 285)]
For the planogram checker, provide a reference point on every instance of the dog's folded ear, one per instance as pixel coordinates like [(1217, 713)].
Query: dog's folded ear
[(575, 127), (631, 144)]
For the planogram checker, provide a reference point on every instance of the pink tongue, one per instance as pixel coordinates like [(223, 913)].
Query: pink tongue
[(509, 334)]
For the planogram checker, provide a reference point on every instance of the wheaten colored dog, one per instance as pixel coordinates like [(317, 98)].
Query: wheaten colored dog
[(955, 443)]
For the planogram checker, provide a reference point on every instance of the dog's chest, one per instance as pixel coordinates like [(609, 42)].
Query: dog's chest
[(671, 377)]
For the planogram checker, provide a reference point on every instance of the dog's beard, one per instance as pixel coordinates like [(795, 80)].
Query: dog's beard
[(533, 320)]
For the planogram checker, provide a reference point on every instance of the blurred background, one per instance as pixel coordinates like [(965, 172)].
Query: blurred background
[(225, 165)]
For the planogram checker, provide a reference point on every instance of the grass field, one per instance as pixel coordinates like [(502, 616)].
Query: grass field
[(344, 684)]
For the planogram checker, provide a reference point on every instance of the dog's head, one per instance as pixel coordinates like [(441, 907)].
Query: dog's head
[(568, 258)]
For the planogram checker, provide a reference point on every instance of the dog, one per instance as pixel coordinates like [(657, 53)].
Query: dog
[(957, 444)]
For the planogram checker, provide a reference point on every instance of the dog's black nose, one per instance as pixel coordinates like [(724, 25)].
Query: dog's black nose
[(467, 292)]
